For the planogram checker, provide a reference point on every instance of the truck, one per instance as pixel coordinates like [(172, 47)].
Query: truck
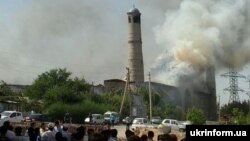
[(11, 116)]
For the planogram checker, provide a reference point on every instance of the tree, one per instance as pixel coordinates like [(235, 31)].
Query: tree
[(5, 90), (248, 118), (238, 116), (57, 86), (227, 109), (196, 116)]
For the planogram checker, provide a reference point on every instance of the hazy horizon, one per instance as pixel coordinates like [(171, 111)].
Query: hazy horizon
[(89, 38)]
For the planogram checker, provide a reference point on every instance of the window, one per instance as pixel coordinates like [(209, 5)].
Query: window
[(173, 122), (166, 121), (129, 19), (13, 115), (136, 19)]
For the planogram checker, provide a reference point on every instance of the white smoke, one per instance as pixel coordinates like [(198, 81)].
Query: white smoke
[(202, 34)]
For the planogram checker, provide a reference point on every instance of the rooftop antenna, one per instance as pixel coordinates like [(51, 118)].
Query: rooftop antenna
[(133, 3)]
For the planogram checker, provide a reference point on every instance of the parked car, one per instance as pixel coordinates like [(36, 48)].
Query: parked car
[(126, 119), (140, 123), (35, 117), (175, 124), (156, 120), (96, 119), (12, 116)]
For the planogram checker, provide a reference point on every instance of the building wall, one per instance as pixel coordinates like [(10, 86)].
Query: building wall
[(185, 99), (9, 105), (114, 85)]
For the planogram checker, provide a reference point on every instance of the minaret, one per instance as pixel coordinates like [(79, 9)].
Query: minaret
[(135, 59), (135, 62)]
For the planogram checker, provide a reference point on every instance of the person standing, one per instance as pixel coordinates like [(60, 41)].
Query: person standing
[(128, 122), (150, 135), (49, 135), (112, 118), (90, 118), (57, 127), (31, 131), (67, 118)]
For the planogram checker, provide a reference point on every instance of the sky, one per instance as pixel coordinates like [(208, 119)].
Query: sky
[(89, 38)]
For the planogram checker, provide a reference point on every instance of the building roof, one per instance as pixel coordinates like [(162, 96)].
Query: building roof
[(114, 80), (134, 11)]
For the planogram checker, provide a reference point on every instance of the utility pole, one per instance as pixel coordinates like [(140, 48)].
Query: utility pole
[(219, 108), (125, 91), (150, 97)]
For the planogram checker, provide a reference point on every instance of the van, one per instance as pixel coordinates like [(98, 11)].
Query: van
[(107, 116), (96, 119), (11, 116)]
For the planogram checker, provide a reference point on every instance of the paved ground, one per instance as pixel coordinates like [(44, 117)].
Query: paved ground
[(121, 132)]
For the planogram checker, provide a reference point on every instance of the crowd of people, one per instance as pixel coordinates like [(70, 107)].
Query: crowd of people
[(60, 132)]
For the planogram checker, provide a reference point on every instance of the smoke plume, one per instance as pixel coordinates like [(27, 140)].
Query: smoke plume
[(202, 34)]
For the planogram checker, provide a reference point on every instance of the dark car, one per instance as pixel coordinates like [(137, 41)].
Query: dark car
[(35, 117)]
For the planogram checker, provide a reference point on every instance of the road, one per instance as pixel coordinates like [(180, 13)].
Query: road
[(122, 128)]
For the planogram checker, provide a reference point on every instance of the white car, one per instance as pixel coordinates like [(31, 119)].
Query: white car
[(11, 116), (175, 124), (96, 119), (140, 123)]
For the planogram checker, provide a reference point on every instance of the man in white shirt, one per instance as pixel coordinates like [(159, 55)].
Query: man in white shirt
[(50, 134)]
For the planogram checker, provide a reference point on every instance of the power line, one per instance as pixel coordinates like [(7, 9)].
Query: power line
[(233, 88)]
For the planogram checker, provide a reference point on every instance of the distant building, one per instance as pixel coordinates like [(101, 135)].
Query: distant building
[(12, 102)]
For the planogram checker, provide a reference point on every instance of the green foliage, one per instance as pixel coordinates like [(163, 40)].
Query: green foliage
[(29, 105), (196, 116), (115, 100), (228, 108), (5, 90), (248, 118), (238, 116), (56, 85), (78, 111), (62, 94)]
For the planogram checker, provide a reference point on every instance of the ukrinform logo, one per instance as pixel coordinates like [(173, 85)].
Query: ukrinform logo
[(217, 133)]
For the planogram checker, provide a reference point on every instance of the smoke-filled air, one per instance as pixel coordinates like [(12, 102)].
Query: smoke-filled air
[(201, 34), (89, 38)]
